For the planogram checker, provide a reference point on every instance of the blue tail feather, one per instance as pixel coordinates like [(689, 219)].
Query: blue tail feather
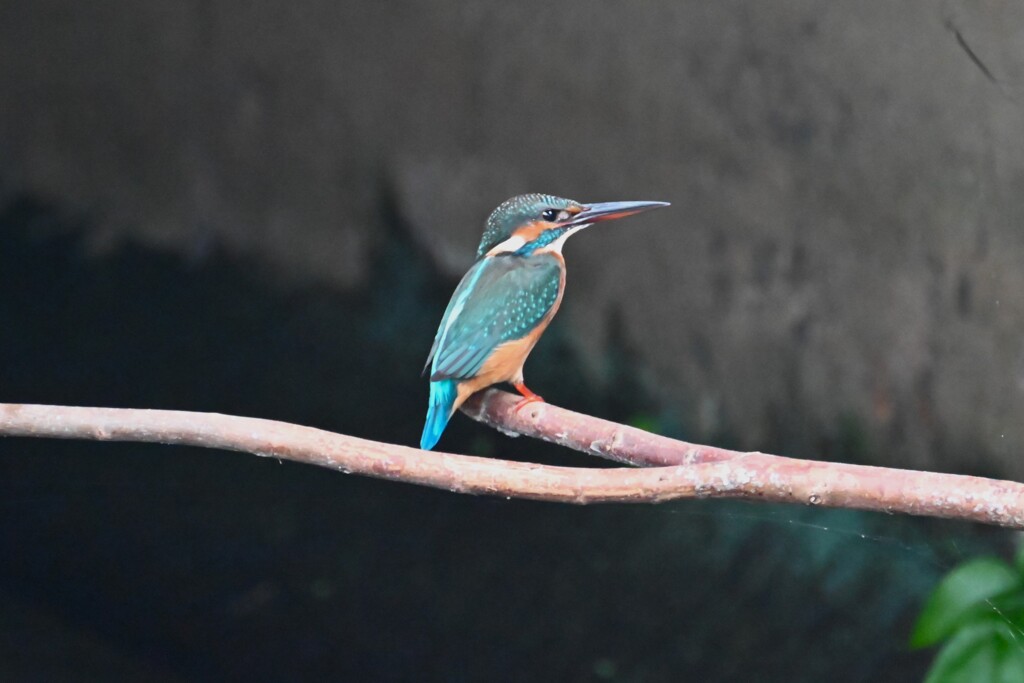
[(442, 399)]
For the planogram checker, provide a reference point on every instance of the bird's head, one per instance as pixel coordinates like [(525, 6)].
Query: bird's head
[(528, 222)]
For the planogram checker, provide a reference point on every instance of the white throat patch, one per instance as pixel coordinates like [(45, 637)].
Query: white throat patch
[(557, 245), (513, 243)]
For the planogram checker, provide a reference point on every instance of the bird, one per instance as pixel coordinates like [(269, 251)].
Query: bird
[(506, 300)]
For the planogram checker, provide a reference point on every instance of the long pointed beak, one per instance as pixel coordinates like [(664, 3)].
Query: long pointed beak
[(607, 211)]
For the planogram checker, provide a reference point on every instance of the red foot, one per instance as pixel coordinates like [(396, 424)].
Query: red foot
[(528, 396)]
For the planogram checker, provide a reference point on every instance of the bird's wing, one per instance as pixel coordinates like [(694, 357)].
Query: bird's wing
[(457, 302), (500, 299)]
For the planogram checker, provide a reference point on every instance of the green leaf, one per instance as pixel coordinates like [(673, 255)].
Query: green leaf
[(971, 656), (1011, 661), (961, 596)]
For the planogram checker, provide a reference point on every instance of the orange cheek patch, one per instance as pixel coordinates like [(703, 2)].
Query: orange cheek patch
[(531, 231)]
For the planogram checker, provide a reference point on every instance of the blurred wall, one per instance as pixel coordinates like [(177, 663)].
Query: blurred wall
[(842, 261)]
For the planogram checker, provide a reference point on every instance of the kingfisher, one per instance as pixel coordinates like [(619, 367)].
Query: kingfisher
[(506, 300)]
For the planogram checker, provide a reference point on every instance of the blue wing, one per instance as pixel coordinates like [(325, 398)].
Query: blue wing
[(500, 299)]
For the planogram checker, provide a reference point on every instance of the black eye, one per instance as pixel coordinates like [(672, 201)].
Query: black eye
[(550, 215)]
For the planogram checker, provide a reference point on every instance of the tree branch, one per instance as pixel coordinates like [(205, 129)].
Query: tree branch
[(591, 435), (684, 471)]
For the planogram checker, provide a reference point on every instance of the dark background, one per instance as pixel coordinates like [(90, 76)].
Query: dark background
[(261, 208)]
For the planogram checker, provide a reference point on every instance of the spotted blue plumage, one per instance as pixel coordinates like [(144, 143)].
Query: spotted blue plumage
[(499, 300)]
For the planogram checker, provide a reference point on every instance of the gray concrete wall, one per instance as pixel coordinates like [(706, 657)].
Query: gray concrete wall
[(842, 260)]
